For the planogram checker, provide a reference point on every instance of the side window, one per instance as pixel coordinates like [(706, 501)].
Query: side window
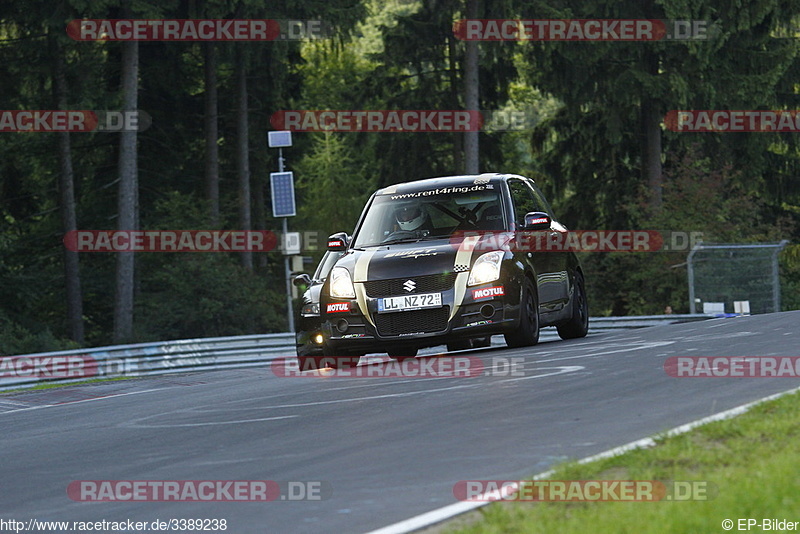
[(542, 201), (525, 200), (329, 259)]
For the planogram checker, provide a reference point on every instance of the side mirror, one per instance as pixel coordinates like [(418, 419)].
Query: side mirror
[(338, 242), (302, 279), (537, 220)]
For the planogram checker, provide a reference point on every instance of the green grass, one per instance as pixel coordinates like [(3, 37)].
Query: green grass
[(749, 462), (51, 385)]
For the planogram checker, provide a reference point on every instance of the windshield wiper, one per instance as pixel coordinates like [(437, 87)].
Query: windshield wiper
[(433, 237), (401, 240)]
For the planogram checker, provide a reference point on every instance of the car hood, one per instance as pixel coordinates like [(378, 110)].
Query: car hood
[(407, 259)]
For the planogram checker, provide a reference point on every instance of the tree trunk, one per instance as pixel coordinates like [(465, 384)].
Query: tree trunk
[(651, 139), (651, 123), (211, 100), (242, 152), (260, 199), (127, 196), (471, 90), (69, 218), (458, 145)]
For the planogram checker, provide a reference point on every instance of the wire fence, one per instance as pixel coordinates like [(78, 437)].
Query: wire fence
[(734, 277)]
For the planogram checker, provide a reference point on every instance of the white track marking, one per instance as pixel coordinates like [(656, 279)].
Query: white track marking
[(68, 403), (236, 422), (442, 514), (141, 422)]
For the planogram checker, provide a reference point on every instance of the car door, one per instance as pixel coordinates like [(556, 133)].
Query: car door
[(559, 258), (550, 266)]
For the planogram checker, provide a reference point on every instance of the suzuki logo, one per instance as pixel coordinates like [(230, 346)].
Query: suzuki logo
[(409, 285)]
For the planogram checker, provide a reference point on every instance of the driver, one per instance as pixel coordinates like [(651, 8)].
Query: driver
[(413, 217)]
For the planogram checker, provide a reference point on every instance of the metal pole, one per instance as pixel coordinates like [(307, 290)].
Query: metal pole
[(690, 271), (776, 280), (287, 271)]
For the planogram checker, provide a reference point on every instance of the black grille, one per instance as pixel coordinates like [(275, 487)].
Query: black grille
[(411, 322), (432, 283)]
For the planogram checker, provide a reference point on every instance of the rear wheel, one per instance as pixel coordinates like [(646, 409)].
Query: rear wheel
[(578, 324), (527, 333)]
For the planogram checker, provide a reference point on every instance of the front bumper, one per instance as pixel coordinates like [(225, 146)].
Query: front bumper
[(483, 310)]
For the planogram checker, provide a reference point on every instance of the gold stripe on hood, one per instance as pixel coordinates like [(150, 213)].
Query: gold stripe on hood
[(359, 276), (463, 257)]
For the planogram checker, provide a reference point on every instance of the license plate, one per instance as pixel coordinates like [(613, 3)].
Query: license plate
[(410, 302)]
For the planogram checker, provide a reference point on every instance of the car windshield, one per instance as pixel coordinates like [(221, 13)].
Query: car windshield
[(430, 214)]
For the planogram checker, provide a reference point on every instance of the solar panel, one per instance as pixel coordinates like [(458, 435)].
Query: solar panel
[(282, 185), (279, 139)]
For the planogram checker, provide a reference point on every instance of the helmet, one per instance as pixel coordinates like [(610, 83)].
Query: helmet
[(410, 217)]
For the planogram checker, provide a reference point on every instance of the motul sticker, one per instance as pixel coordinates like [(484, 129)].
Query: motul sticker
[(488, 292), (338, 307)]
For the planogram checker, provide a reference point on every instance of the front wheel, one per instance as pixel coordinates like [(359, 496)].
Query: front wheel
[(578, 324), (527, 333)]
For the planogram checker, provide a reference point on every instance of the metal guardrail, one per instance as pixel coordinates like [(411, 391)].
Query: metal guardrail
[(145, 359), (642, 321), (188, 355)]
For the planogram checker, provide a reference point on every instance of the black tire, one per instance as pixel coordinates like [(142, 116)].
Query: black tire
[(461, 344), (578, 324), (402, 355), (482, 342), (527, 333)]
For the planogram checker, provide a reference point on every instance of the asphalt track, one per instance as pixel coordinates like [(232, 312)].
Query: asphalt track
[(389, 448)]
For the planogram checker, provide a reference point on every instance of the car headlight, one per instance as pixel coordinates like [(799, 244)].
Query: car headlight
[(486, 268), (342, 284), (310, 310)]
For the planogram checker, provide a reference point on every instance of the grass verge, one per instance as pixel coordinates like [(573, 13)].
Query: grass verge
[(748, 463), (52, 385)]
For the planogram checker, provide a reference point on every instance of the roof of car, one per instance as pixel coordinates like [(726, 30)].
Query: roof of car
[(444, 181)]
